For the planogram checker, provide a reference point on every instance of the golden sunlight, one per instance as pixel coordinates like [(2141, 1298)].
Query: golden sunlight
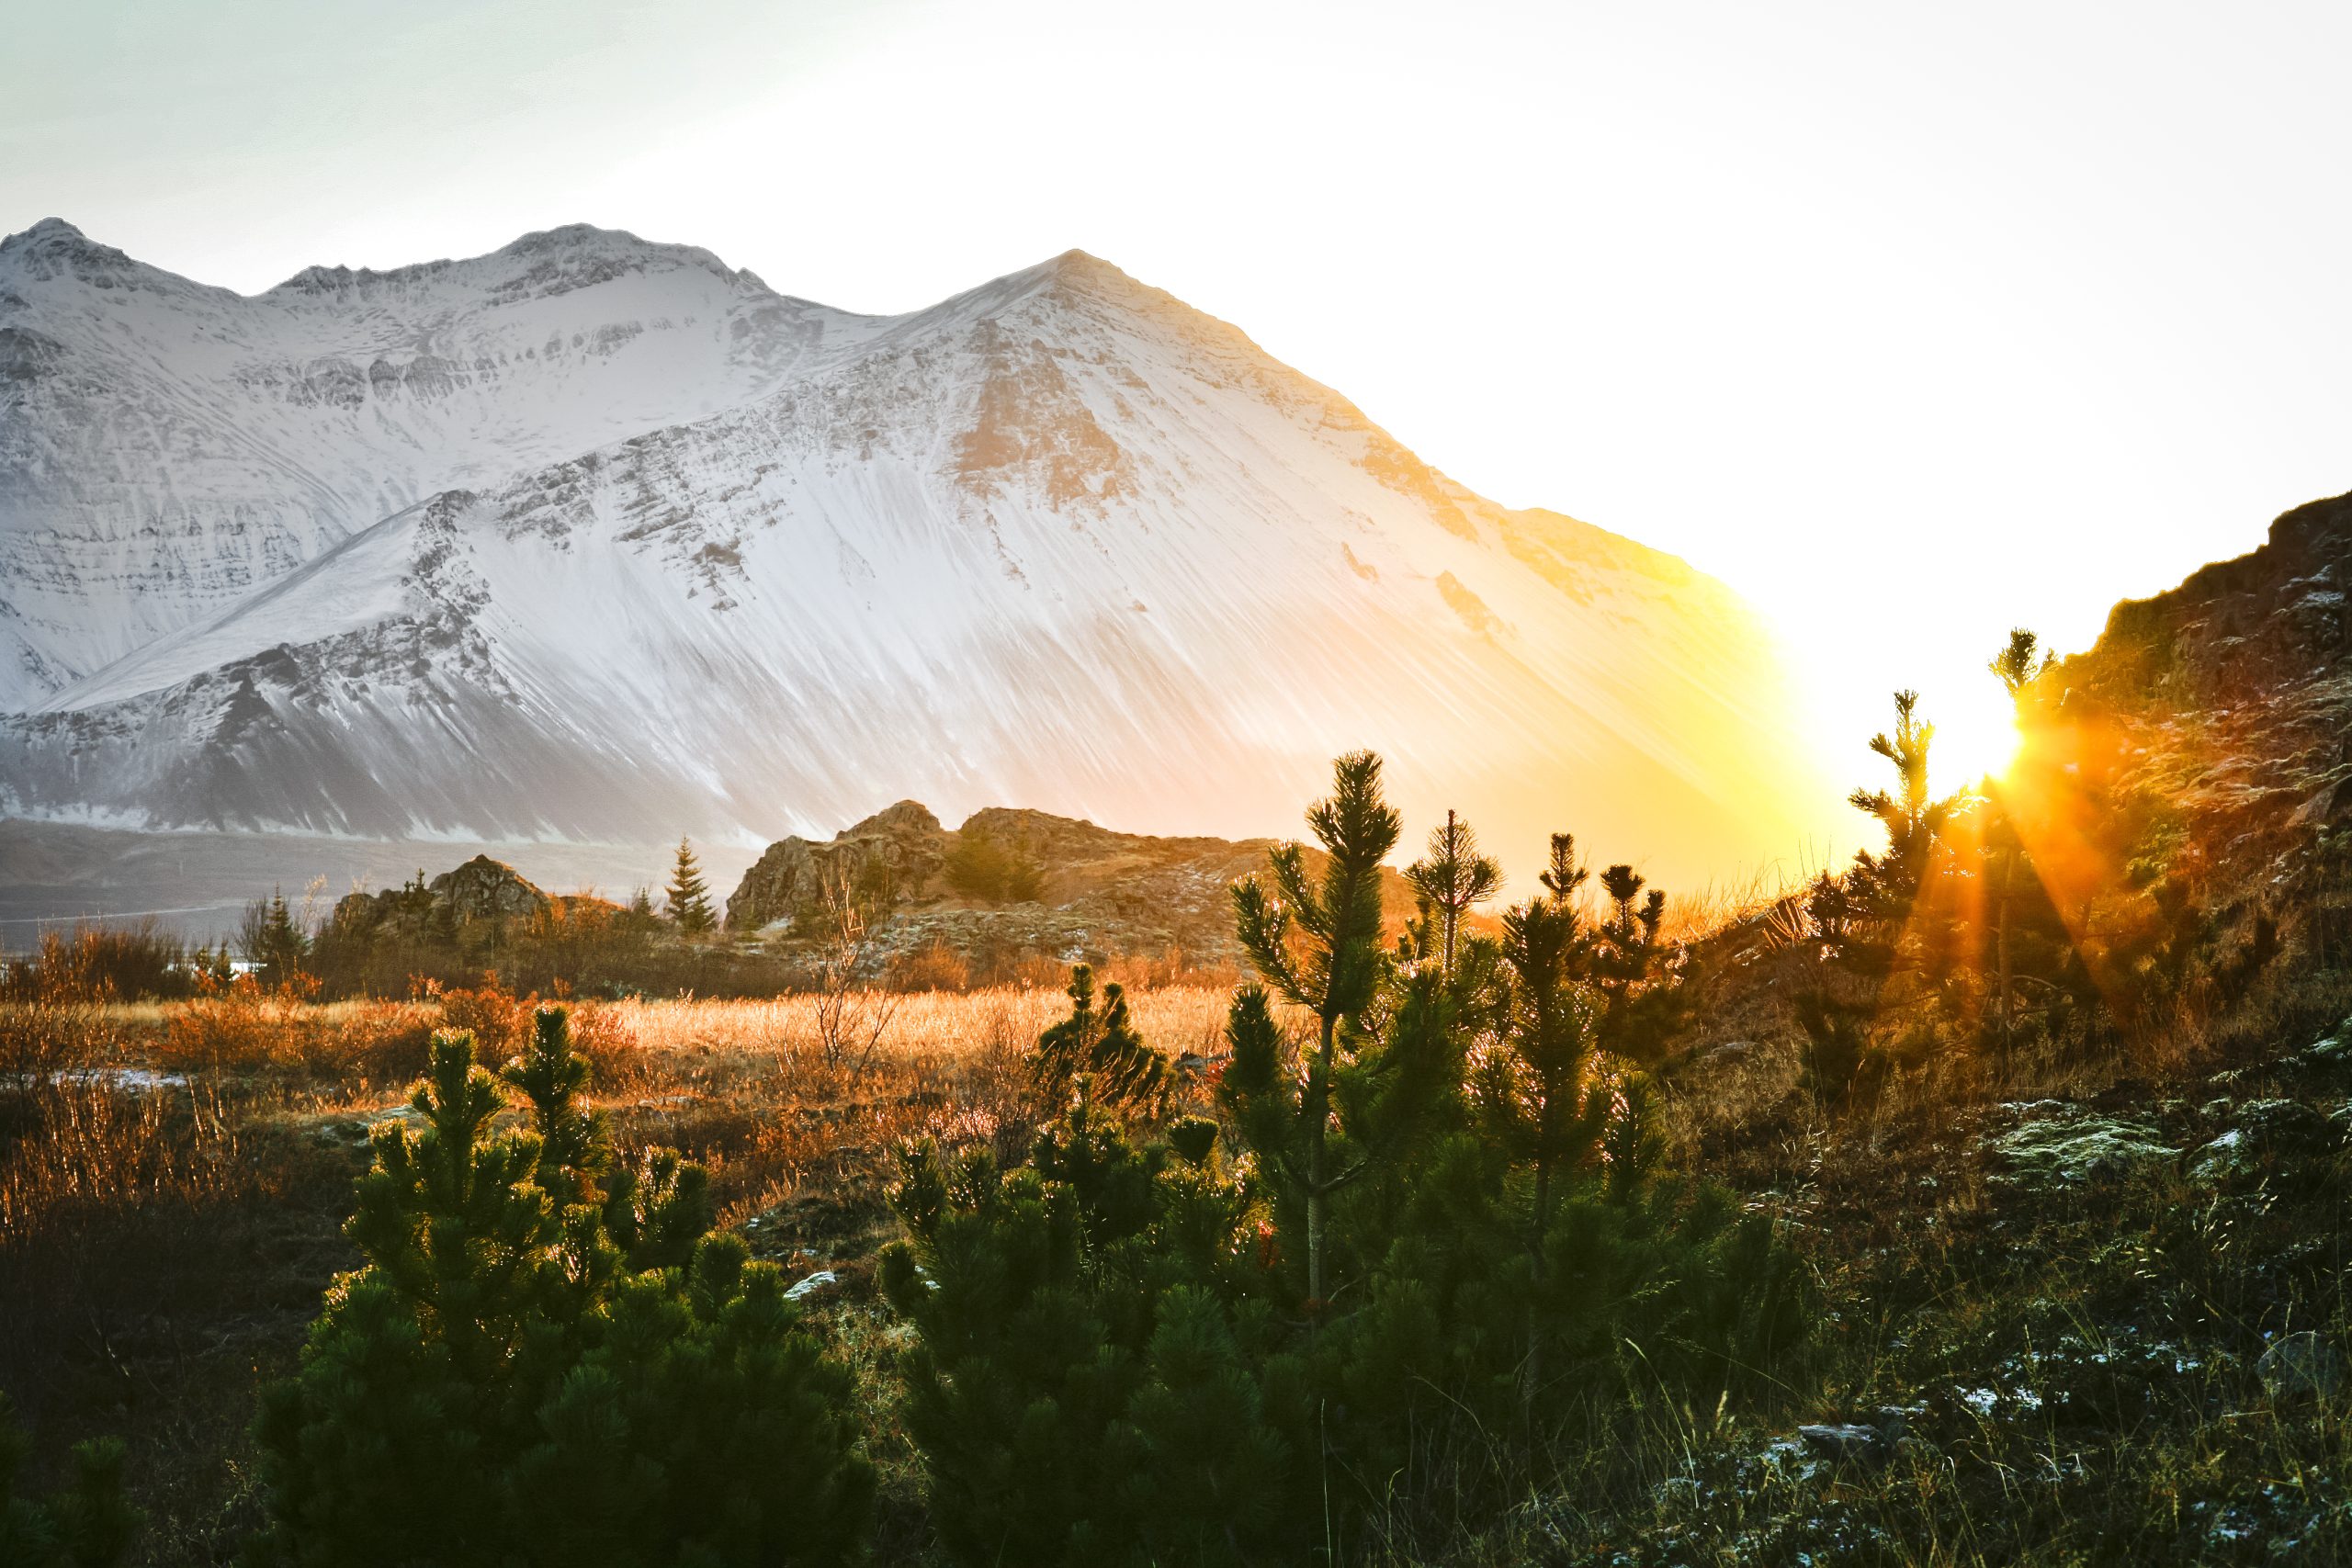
[(1976, 734)]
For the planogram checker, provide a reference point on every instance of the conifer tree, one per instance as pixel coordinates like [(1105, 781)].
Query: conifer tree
[(272, 941), (1640, 1009), (1913, 817), (87, 1525), (2021, 662), (1453, 877), (1863, 917), (496, 1384), (690, 907), (1124, 1073), (1316, 946), (2016, 668), (1112, 1365), (1536, 1103)]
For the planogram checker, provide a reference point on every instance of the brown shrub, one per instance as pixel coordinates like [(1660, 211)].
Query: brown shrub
[(99, 962), (935, 967), (376, 1042), (499, 1020), (43, 1037), (243, 1025)]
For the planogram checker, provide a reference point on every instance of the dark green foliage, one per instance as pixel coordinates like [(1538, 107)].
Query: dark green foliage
[(1428, 1238), (532, 1368), (1054, 1379), (1122, 1072), (690, 908), (1842, 1068), (87, 1525), (1642, 1009), (977, 866), (1451, 880), (1318, 945), (272, 941), (573, 1147)]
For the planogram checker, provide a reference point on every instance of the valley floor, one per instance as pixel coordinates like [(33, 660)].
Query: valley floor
[(196, 885)]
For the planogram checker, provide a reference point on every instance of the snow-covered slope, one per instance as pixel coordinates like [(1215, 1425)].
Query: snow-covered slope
[(165, 449), (644, 547)]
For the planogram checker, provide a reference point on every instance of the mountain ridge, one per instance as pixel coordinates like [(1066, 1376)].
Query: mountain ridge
[(1058, 514)]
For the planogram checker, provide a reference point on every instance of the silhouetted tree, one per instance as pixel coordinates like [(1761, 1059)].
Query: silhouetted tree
[(1453, 877), (272, 941), (2017, 667)]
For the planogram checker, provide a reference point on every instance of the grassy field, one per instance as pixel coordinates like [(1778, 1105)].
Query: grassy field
[(172, 1177), (2074, 1364)]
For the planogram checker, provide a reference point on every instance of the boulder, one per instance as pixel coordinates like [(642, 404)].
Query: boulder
[(1847, 1441), (2300, 1367), (2266, 1138), (487, 889)]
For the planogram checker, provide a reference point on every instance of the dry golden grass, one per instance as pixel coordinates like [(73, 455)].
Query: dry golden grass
[(923, 1025)]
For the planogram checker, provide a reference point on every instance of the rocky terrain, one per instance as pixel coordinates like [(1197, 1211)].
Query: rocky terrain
[(2088, 1306), (1098, 894)]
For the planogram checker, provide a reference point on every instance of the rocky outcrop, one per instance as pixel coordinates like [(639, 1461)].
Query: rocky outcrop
[(487, 889), (2217, 713), (480, 891), (1099, 893), (898, 852)]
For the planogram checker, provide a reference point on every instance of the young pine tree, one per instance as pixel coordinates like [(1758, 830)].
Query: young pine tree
[(690, 907), (1863, 917), (1912, 815), (2017, 667), (1536, 1100), (1124, 1074), (87, 1525), (1318, 947), (1642, 1009), (496, 1384), (1453, 878)]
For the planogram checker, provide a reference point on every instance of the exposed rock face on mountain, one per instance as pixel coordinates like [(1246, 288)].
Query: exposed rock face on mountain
[(167, 449), (598, 540)]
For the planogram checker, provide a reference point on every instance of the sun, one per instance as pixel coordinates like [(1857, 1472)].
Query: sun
[(1976, 735)]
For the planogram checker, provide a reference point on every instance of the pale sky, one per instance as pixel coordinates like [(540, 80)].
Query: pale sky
[(1910, 321)]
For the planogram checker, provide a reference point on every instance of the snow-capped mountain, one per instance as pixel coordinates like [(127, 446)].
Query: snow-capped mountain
[(597, 540)]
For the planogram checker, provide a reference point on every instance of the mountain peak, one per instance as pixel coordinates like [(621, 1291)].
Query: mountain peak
[(48, 228), (544, 262), (53, 248)]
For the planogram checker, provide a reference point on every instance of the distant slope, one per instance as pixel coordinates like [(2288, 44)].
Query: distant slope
[(1060, 540)]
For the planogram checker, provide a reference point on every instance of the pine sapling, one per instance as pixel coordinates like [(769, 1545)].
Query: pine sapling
[(1317, 946), (1125, 1074)]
